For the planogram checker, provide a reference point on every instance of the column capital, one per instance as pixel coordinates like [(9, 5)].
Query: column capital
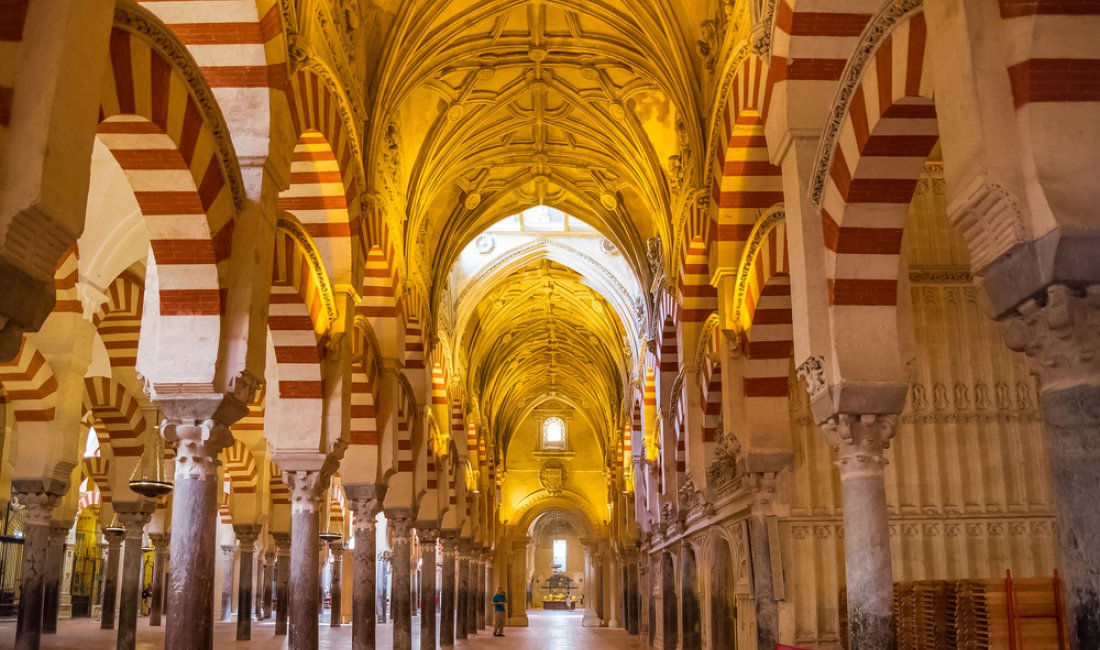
[(134, 521), (228, 551), (401, 523), (427, 532), (449, 542), (336, 547), (282, 543), (366, 502), (762, 485), (861, 441), (1060, 334), (247, 535), (114, 539), (59, 530), (269, 557), (161, 543), (307, 487), (198, 443), (38, 505)]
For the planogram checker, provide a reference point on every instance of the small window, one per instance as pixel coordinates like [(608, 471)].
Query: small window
[(553, 434), (558, 563)]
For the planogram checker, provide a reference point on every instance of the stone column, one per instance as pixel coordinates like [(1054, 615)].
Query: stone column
[(246, 537), (447, 592), (480, 579), (160, 555), (229, 556), (194, 518), (860, 441), (364, 501), (401, 525), (133, 516), (767, 610), (463, 611), (55, 565), (429, 535), (306, 490), (516, 581), (39, 505), (268, 578), (110, 581), (337, 550), (644, 592), (1061, 337), (472, 591), (591, 610), (282, 581)]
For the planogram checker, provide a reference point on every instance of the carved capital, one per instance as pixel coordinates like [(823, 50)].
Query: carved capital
[(812, 371), (1060, 335), (364, 511), (247, 535), (307, 487), (229, 552), (282, 543), (37, 506), (427, 533), (198, 444), (860, 441), (161, 542), (762, 485), (401, 525), (134, 522)]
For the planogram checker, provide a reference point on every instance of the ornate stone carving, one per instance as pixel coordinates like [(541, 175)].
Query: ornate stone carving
[(990, 219), (552, 477), (812, 371), (306, 490), (244, 387), (693, 501), (860, 441), (197, 447), (723, 467), (37, 506), (1061, 336)]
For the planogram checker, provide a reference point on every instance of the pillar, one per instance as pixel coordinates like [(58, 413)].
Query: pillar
[(55, 565), (194, 518), (860, 441), (447, 592), (266, 590), (401, 525), (133, 516), (337, 550), (229, 556), (282, 578), (482, 565), (306, 490), (645, 593), (429, 535), (364, 593), (472, 591), (591, 608), (246, 537), (38, 504), (767, 610), (463, 610), (1061, 337), (516, 580), (160, 556), (110, 581)]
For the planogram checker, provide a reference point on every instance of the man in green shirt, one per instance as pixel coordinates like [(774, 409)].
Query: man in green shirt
[(499, 600)]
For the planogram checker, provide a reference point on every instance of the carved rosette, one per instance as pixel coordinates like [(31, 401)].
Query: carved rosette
[(1061, 337), (861, 441)]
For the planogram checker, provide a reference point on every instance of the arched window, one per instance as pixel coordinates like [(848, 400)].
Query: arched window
[(553, 433)]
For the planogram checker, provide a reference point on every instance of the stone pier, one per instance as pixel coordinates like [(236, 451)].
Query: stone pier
[(463, 609), (55, 568), (337, 550), (401, 525), (229, 557), (267, 591)]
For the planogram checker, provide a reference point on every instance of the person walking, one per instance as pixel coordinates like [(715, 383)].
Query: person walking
[(499, 601)]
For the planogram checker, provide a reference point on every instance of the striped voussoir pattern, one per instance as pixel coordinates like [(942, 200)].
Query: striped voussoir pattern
[(64, 281), (884, 140), (252, 424), (118, 320), (13, 16), (225, 513), (405, 460), (711, 383), (810, 45), (1045, 74), (296, 318), (89, 499), (698, 297), (363, 428), (29, 385), (98, 469), (240, 468), (336, 506), (635, 426), (280, 493), (769, 340), (158, 134), (113, 405), (379, 288), (414, 344)]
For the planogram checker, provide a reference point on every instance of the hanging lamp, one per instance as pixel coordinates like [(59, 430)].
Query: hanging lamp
[(114, 528), (150, 478)]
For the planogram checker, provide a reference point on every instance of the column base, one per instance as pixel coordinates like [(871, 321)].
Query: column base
[(591, 620), (517, 620), (614, 623)]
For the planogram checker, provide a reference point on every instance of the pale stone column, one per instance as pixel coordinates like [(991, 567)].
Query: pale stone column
[(65, 596), (644, 592), (401, 525), (160, 555), (860, 441), (516, 579), (472, 591), (133, 516), (364, 501), (337, 550), (266, 591), (110, 581), (447, 593), (1061, 337), (282, 581), (591, 609), (246, 537), (229, 557), (429, 535), (55, 565), (482, 564), (306, 491), (762, 485), (190, 605), (39, 505), (461, 628)]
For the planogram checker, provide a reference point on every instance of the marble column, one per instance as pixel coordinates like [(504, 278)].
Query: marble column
[(767, 609), (861, 441), (246, 538), (282, 581), (160, 556), (645, 593), (55, 567), (472, 591), (463, 611), (429, 536), (38, 506), (482, 579), (190, 606), (401, 525), (337, 550), (110, 581), (591, 613), (229, 556), (133, 516), (516, 580), (306, 491), (364, 501), (447, 592), (267, 591)]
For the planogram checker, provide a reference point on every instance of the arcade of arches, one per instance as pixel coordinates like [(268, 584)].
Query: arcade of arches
[(730, 323)]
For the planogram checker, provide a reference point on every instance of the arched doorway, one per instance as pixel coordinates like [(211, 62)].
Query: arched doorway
[(723, 608), (668, 601), (690, 612)]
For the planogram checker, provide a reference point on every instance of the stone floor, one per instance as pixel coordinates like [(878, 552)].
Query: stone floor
[(548, 630)]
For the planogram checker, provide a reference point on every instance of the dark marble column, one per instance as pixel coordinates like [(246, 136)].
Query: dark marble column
[(133, 516), (429, 536), (767, 610), (190, 607), (401, 526), (160, 556), (282, 581), (447, 592), (473, 590), (229, 556), (365, 502), (267, 590), (306, 490), (110, 581), (337, 550), (479, 605), (246, 537), (55, 567), (861, 441), (463, 610), (38, 504)]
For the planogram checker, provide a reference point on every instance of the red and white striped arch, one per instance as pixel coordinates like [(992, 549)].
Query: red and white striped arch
[(65, 279), (811, 40), (698, 298), (98, 469), (240, 468), (710, 381), (251, 425), (363, 428), (118, 320), (280, 493), (29, 385), (765, 308), (116, 407)]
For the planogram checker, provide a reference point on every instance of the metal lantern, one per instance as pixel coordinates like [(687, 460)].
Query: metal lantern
[(328, 535), (151, 478), (114, 528)]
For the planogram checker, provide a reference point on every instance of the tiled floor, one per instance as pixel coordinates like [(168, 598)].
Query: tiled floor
[(548, 630)]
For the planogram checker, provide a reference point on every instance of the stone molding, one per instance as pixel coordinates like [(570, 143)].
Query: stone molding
[(1060, 336)]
